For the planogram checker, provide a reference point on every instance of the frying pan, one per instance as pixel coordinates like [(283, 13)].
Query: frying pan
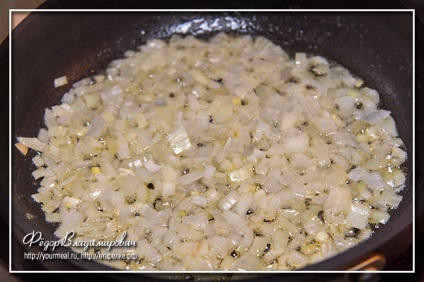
[(373, 45)]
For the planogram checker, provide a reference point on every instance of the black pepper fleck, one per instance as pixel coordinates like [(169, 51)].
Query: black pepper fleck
[(131, 200), (293, 80), (353, 233), (359, 106), (186, 170), (269, 220), (321, 215)]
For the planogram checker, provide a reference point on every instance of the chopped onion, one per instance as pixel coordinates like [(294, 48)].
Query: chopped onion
[(190, 178), (228, 201), (22, 148), (32, 143), (358, 216), (379, 216), (109, 95), (376, 117), (240, 174), (209, 171), (233, 219), (152, 166), (198, 221), (97, 128), (37, 161), (219, 155), (169, 173), (339, 199), (179, 140), (200, 201), (244, 203), (219, 244), (60, 81), (297, 144)]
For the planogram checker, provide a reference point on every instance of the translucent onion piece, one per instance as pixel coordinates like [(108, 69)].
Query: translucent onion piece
[(218, 155)]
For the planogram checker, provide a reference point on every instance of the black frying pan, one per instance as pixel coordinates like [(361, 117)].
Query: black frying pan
[(375, 46)]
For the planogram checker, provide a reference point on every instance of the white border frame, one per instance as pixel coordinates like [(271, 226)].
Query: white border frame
[(11, 11)]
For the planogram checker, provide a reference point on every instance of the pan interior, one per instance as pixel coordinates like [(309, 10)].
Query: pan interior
[(374, 46)]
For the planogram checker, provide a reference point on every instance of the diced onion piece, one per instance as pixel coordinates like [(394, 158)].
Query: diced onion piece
[(179, 140), (240, 174), (141, 120), (32, 143), (339, 199), (399, 178), (358, 215), (149, 251), (169, 173), (209, 171), (53, 217), (113, 92), (198, 221), (168, 189), (301, 161), (389, 126), (226, 166), (71, 202), (200, 201), (300, 60), (190, 177), (95, 170), (379, 216), (43, 136), (22, 148), (244, 203), (220, 244), (288, 121), (60, 81), (376, 117), (390, 198), (234, 219), (291, 157), (152, 166), (198, 76), (325, 124), (297, 259), (212, 195), (38, 161), (322, 236), (136, 163), (97, 128), (298, 144), (399, 153), (272, 185), (228, 201)]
